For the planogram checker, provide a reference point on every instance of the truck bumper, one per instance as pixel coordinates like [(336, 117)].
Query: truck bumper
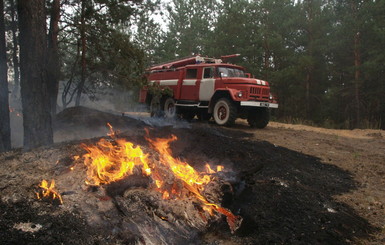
[(259, 104)]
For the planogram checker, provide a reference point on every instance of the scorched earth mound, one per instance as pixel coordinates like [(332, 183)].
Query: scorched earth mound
[(278, 196)]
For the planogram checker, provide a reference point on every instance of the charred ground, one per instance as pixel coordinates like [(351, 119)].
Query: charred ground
[(290, 186)]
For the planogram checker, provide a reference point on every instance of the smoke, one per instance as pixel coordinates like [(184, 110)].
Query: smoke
[(73, 125), (161, 122), (80, 132), (122, 102), (108, 99)]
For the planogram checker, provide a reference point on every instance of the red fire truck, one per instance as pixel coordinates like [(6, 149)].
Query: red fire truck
[(207, 87)]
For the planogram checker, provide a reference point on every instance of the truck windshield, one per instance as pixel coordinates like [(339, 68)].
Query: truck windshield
[(230, 72)]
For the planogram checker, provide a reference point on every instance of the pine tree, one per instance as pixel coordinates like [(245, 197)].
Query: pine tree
[(5, 131), (99, 49), (53, 65), (34, 87)]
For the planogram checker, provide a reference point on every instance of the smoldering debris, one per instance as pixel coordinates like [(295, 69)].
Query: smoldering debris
[(127, 210), (273, 213)]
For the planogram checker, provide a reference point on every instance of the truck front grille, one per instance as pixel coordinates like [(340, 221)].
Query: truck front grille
[(255, 91), (259, 92)]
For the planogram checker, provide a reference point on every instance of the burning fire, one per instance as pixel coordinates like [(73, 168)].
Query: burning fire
[(109, 161), (112, 160), (210, 171), (191, 179), (49, 192)]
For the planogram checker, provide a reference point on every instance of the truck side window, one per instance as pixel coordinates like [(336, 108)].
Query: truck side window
[(208, 72), (191, 73)]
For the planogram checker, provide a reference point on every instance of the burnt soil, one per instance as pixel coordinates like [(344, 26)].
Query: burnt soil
[(291, 185)]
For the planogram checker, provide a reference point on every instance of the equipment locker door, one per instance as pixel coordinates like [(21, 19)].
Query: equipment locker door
[(190, 85)]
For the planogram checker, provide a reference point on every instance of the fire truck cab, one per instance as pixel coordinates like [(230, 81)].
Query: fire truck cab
[(207, 87)]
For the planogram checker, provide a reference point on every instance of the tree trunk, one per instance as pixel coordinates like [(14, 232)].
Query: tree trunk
[(34, 89), (15, 51), (53, 71), (357, 65), (5, 131), (67, 94), (357, 77), (310, 51), (83, 57), (267, 56)]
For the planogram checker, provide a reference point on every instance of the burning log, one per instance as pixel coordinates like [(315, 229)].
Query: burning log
[(132, 181), (160, 221)]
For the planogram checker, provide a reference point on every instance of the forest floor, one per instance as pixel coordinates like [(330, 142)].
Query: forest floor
[(293, 184)]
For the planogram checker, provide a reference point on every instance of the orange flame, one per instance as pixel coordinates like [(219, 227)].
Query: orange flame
[(181, 170), (107, 162), (192, 180), (48, 191), (211, 171), (112, 133)]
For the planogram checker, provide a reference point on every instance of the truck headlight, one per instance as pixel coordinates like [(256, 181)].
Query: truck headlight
[(240, 94)]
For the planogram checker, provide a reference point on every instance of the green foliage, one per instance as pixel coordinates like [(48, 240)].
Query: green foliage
[(309, 51), (324, 59), (115, 60), (112, 58), (189, 28), (159, 92)]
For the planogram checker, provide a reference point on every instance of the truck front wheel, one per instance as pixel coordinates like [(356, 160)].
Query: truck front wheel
[(225, 112), (258, 117)]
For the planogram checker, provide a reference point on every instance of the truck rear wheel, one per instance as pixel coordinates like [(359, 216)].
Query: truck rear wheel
[(169, 108), (258, 117), (156, 107), (225, 112)]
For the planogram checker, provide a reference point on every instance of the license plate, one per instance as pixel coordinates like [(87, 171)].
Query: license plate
[(264, 104)]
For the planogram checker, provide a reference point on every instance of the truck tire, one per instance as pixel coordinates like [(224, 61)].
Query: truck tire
[(169, 108), (225, 112), (156, 108), (258, 118)]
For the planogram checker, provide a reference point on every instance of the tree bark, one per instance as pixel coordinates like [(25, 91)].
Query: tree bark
[(34, 90), (15, 51), (5, 130), (310, 51), (53, 56), (83, 57), (357, 77), (357, 66)]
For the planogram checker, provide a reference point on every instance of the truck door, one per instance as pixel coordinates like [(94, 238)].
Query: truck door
[(189, 87), (207, 85)]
